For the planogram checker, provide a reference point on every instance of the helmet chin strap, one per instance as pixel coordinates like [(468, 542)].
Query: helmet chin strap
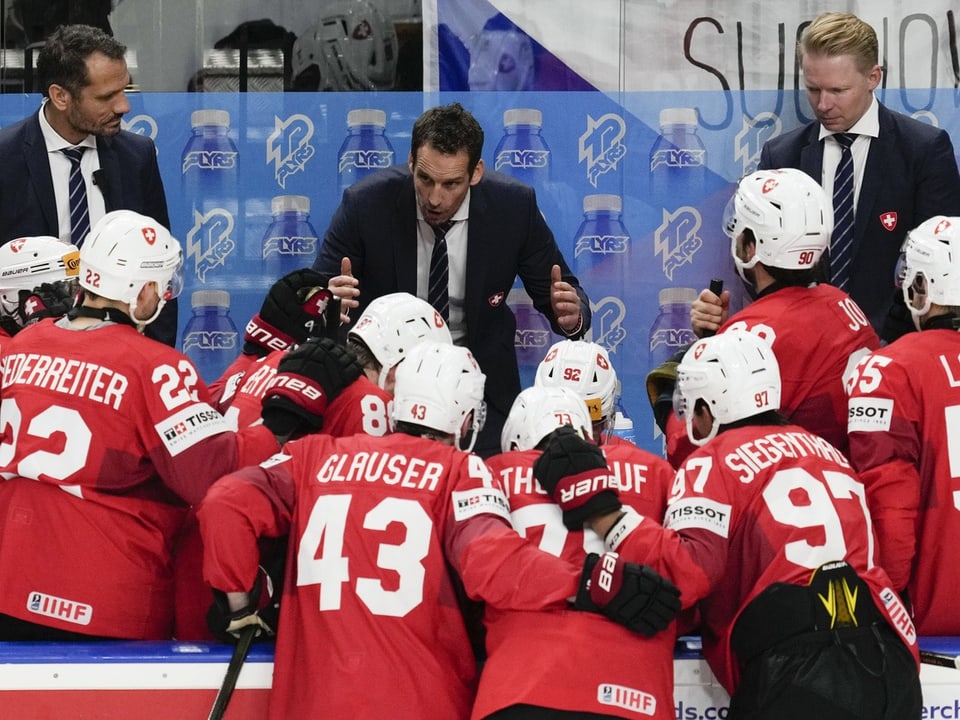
[(143, 323)]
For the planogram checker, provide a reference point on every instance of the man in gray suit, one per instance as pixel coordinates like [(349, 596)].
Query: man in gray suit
[(904, 171), (83, 76), (382, 239)]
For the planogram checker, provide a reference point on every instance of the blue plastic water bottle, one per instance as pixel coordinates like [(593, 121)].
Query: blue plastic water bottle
[(290, 243), (522, 152), (678, 160), (210, 174), (210, 339), (366, 148), (210, 160), (671, 329), (602, 248), (623, 425), (533, 335)]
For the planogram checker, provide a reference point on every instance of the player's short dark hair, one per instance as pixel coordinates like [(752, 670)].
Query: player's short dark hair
[(63, 58), (409, 428), (365, 357), (448, 129)]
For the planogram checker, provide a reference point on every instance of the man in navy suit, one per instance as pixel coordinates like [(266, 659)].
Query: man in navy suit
[(382, 237), (83, 76), (904, 170)]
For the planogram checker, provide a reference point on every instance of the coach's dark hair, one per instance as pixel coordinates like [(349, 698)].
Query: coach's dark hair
[(63, 58), (449, 129)]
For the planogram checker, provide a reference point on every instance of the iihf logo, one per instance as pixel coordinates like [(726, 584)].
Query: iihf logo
[(288, 146), (601, 146), (209, 241), (677, 240)]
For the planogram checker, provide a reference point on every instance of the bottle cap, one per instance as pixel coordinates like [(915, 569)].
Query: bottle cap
[(290, 203), (593, 203), (523, 116), (210, 298), (677, 295), (366, 116), (678, 116), (218, 118)]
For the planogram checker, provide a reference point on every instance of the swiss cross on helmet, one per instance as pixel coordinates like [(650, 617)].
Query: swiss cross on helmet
[(929, 267)]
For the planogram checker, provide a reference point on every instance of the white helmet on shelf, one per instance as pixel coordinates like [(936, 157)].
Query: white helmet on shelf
[(353, 47), (124, 251), (735, 373), (393, 324), (585, 368), (789, 214), (438, 386), (28, 262), (929, 266), (538, 411)]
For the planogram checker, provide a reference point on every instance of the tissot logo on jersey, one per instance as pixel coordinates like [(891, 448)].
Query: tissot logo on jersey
[(626, 698), (59, 608), (479, 501), (866, 414), (697, 512), (185, 429)]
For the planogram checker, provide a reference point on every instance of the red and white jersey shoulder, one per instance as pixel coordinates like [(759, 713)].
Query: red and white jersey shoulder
[(904, 425)]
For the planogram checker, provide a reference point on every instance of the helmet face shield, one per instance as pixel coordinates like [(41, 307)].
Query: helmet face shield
[(928, 271), (175, 286)]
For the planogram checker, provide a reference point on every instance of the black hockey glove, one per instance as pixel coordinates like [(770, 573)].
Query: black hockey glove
[(574, 473), (262, 610), (308, 378), (49, 300), (292, 311), (631, 595)]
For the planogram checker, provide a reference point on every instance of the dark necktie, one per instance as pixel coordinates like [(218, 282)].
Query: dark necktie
[(841, 244), (439, 295), (79, 212)]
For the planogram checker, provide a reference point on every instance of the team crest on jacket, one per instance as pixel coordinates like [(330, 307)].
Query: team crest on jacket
[(888, 220), (496, 299)]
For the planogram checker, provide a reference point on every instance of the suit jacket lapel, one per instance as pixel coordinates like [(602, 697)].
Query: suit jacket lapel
[(404, 223), (811, 155), (110, 165), (38, 168)]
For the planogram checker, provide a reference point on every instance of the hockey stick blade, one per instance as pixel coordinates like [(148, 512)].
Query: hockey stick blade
[(941, 659), (233, 672)]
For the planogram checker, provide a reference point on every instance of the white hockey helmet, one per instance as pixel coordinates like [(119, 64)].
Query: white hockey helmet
[(538, 411), (585, 368), (394, 324), (124, 251), (438, 386), (353, 47), (929, 267), (789, 214), (735, 373), (28, 262), (501, 58)]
